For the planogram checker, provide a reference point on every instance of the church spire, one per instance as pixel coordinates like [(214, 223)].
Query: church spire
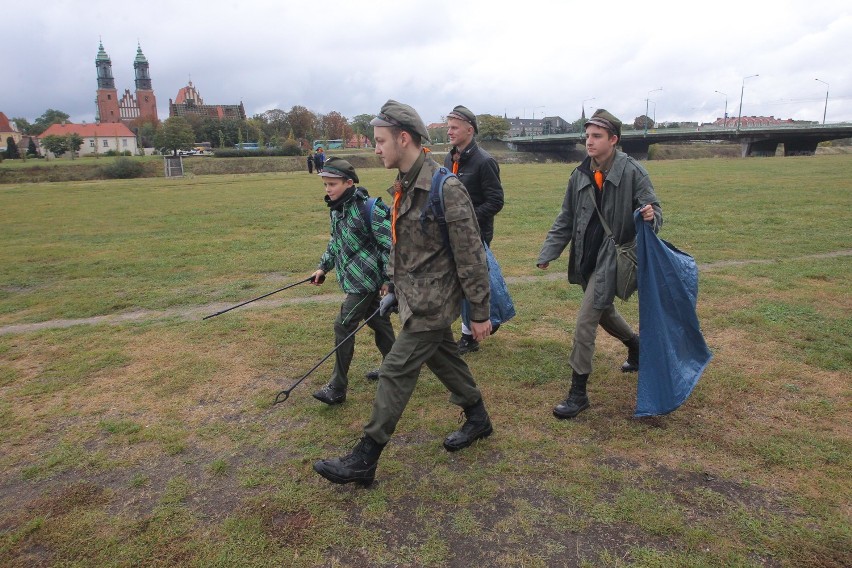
[(104, 67), (140, 66)]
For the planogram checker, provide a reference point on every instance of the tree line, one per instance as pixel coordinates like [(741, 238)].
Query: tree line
[(274, 128)]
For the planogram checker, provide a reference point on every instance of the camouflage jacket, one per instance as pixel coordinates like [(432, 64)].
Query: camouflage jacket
[(429, 281), (357, 250)]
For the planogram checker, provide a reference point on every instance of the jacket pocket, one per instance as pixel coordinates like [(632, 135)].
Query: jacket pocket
[(428, 293)]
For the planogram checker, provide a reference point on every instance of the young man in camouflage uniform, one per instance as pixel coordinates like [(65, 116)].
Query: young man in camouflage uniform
[(429, 280), (359, 247)]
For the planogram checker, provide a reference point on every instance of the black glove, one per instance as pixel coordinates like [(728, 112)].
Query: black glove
[(388, 304)]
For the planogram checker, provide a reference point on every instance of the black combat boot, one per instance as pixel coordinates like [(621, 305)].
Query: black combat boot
[(358, 467), (577, 400), (331, 395), (477, 426), (632, 363)]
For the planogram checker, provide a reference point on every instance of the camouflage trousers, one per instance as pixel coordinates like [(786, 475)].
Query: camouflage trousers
[(399, 372)]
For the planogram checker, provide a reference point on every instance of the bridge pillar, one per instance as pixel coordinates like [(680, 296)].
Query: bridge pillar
[(800, 147), (635, 148), (759, 147)]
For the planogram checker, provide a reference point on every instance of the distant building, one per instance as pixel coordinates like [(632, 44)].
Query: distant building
[(751, 121), (437, 132), (97, 138), (189, 101), (525, 126), (129, 109), (537, 126), (7, 129)]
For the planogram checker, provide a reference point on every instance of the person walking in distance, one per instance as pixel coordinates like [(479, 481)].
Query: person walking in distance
[(430, 276), (611, 185)]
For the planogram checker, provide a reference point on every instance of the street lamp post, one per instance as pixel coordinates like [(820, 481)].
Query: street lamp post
[(725, 124), (825, 109), (646, 108), (740, 113)]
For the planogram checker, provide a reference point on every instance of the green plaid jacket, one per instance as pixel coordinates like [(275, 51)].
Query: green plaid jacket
[(358, 249)]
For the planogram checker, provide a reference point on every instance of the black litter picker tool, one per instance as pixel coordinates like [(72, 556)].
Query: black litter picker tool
[(308, 279), (388, 303)]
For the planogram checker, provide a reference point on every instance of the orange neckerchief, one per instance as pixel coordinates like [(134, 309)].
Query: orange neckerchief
[(456, 158), (599, 179), (397, 197)]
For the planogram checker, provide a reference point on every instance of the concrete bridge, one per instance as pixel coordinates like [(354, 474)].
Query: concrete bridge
[(754, 141)]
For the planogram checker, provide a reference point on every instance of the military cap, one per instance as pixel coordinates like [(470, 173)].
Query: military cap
[(606, 120), (463, 113), (339, 168), (397, 114)]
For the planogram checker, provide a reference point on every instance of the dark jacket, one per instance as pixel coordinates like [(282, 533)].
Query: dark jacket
[(429, 281), (626, 188), (480, 174)]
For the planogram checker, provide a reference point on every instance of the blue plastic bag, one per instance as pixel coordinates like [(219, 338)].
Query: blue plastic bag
[(672, 350), (502, 307)]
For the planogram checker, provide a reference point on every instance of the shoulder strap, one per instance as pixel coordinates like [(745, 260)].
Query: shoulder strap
[(435, 204), (366, 207), (605, 226)]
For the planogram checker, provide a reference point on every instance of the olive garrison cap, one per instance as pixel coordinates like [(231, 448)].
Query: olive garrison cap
[(606, 120), (397, 114), (339, 168), (463, 113)]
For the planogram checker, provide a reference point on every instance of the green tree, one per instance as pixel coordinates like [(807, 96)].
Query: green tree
[(334, 125), (642, 122), (12, 149), (23, 125), (75, 141), (275, 123), (146, 132), (50, 116), (32, 149), (361, 125), (175, 133), (492, 127), (56, 145), (302, 121)]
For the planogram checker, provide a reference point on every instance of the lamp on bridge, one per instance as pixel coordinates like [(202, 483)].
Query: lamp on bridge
[(646, 108), (726, 107), (740, 113), (826, 100)]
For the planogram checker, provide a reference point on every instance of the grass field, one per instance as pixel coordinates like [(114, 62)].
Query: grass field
[(132, 433)]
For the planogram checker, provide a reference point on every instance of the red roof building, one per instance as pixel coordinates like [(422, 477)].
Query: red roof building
[(97, 138), (7, 129), (189, 101)]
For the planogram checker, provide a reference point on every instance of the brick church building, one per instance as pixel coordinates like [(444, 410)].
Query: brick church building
[(129, 109)]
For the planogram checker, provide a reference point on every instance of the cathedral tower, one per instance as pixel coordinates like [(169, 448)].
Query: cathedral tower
[(107, 97), (144, 92)]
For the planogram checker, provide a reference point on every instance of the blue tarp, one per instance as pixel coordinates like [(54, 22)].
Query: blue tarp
[(672, 350), (502, 307)]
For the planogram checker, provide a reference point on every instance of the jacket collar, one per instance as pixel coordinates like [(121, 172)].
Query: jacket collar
[(615, 171), (467, 152)]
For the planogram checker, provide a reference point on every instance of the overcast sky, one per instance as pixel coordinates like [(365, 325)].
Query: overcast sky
[(529, 58)]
